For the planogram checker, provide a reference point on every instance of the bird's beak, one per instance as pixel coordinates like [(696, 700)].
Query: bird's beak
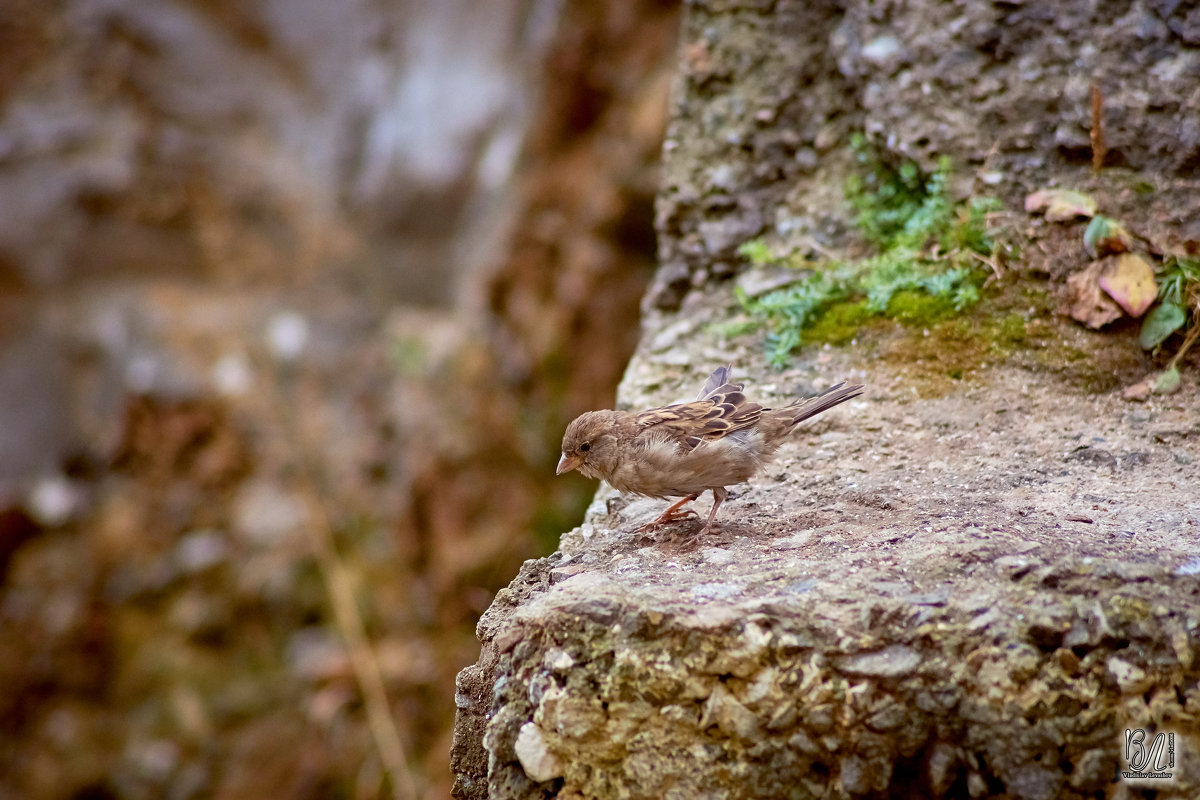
[(567, 463)]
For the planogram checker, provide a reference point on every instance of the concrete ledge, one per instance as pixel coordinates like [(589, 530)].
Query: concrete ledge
[(853, 632), (662, 678)]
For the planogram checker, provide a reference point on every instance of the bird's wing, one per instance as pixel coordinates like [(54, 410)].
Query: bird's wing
[(689, 424)]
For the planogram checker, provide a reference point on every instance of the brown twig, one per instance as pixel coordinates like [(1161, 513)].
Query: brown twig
[(997, 270), (1190, 340), (1099, 150)]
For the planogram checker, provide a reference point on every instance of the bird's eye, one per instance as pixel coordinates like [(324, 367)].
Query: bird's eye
[(583, 448)]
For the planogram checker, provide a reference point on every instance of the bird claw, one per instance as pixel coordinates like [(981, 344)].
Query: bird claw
[(667, 519)]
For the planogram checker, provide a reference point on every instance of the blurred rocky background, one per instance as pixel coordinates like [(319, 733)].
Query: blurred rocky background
[(295, 299)]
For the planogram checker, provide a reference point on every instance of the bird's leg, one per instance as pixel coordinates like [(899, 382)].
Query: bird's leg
[(692, 541), (671, 514), (719, 495)]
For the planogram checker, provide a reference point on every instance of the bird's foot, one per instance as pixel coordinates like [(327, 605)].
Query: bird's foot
[(668, 518), (672, 514), (663, 521)]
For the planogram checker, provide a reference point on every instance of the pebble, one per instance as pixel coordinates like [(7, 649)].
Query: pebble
[(558, 659), (535, 757), (717, 556), (715, 591), (1131, 678), (883, 51), (727, 713), (893, 661), (793, 542), (1190, 567)]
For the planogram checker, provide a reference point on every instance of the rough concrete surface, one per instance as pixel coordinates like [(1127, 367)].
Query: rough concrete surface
[(969, 595)]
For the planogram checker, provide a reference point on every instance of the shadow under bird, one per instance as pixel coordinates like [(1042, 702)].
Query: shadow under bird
[(682, 450)]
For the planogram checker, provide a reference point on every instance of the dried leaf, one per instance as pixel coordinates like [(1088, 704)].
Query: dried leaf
[(1086, 301), (1160, 323), (1129, 280), (1105, 237), (1140, 391), (1060, 205)]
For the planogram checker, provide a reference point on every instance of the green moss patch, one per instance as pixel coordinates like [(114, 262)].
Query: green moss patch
[(928, 266)]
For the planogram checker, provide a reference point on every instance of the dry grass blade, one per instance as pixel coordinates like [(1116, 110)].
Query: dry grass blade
[(340, 587), (1188, 341)]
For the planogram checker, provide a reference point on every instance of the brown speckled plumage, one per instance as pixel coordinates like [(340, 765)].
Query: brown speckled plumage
[(681, 450)]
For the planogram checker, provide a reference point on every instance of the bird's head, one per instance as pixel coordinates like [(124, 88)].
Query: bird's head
[(590, 444)]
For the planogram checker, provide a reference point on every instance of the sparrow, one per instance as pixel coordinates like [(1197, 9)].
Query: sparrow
[(682, 450)]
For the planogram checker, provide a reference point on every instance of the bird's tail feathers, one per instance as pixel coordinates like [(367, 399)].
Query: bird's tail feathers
[(811, 406)]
